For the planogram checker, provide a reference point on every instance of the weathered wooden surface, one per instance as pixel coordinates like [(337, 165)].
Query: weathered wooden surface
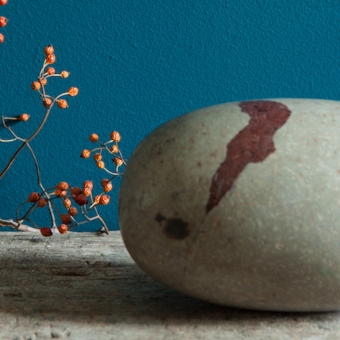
[(83, 286)]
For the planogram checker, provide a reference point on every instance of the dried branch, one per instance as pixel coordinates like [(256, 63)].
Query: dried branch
[(62, 194), (16, 225)]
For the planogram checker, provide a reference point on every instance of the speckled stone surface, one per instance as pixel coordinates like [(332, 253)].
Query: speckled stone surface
[(238, 204)]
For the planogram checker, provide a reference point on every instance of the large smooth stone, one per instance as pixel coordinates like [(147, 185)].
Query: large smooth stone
[(239, 204)]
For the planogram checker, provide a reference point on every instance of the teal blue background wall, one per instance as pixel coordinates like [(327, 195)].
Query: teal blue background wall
[(140, 63)]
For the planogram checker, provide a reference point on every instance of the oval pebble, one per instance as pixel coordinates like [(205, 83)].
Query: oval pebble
[(239, 204)]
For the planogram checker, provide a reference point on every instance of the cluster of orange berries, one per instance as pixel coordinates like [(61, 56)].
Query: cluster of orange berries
[(113, 149), (67, 195), (3, 21), (42, 81), (49, 72)]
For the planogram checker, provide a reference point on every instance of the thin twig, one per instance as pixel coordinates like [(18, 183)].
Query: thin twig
[(50, 208), (17, 226), (27, 141)]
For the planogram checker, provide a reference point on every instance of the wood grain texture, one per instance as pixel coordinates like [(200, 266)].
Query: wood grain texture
[(83, 286)]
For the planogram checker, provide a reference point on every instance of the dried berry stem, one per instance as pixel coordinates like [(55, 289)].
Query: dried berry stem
[(54, 224), (16, 225), (61, 194), (25, 142)]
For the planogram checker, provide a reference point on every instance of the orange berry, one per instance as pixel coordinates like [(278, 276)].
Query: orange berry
[(2, 38), (46, 231), (64, 74), (105, 181), (75, 191), (115, 136), (88, 185), (33, 197), (60, 193), (50, 59), (97, 157), (87, 192), (36, 85), (49, 50), (62, 104), (62, 186), (118, 161), (107, 185), (24, 117), (104, 199), (114, 148), (85, 153), (3, 2), (63, 229), (65, 218), (94, 137), (3, 21), (47, 102), (42, 202), (97, 199), (67, 202), (43, 81), (73, 211), (81, 199), (72, 91), (50, 71), (100, 165)]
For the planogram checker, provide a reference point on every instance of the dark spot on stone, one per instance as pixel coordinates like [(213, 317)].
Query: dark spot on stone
[(199, 164), (176, 229), (252, 144), (159, 218)]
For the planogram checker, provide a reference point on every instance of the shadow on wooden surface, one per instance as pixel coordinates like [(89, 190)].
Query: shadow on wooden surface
[(94, 278)]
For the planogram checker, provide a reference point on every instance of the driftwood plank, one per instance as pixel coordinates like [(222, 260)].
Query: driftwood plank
[(83, 286)]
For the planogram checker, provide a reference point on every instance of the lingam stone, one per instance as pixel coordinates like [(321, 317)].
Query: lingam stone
[(239, 204)]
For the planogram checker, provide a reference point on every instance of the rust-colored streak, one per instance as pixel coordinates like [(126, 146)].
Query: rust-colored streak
[(253, 144)]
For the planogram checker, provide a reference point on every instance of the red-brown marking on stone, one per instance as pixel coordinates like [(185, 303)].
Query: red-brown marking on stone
[(253, 144)]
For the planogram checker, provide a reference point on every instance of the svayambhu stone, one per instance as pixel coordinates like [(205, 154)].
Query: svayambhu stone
[(239, 204)]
